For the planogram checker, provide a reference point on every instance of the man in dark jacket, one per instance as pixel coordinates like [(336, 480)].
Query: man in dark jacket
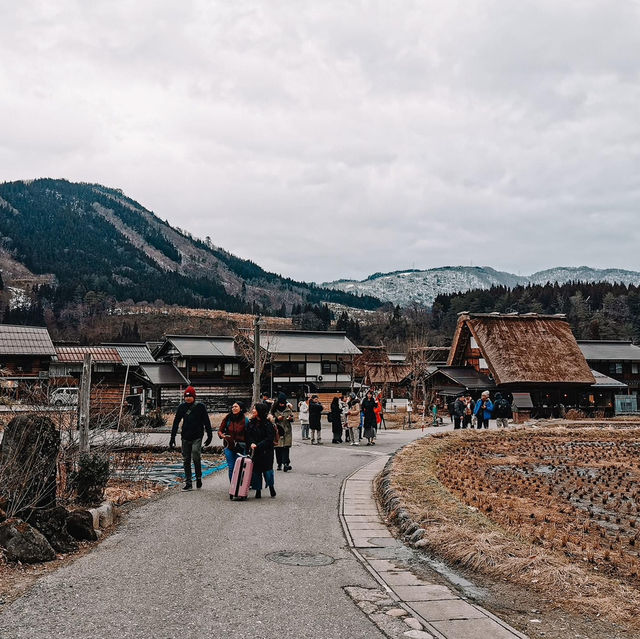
[(459, 408), (195, 421), (315, 424), (502, 411)]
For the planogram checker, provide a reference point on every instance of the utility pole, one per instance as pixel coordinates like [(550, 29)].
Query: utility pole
[(84, 404), (256, 359)]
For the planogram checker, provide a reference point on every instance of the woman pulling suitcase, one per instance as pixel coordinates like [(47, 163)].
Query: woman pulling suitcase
[(232, 432), (260, 436)]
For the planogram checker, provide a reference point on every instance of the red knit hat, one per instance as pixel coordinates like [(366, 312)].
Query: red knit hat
[(190, 391)]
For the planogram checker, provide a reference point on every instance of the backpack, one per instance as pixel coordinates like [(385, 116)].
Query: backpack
[(501, 407)]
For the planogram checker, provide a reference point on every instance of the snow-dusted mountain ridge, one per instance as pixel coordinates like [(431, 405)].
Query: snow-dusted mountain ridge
[(422, 287)]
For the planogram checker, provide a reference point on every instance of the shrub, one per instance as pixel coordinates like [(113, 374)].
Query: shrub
[(91, 478)]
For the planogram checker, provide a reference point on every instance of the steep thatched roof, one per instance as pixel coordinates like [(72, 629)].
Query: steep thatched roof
[(369, 355), (538, 349), (386, 373)]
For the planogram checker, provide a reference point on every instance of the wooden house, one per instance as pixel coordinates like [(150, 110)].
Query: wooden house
[(25, 356), (214, 365), (616, 359), (303, 362), (530, 353)]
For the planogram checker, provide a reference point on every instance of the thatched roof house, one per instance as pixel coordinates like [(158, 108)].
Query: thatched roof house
[(516, 349)]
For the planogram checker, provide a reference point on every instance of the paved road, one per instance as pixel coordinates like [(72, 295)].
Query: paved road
[(194, 565)]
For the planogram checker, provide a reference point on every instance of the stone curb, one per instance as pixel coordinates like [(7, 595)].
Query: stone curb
[(103, 515)]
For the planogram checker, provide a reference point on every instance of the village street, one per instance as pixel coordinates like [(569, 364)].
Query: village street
[(194, 564)]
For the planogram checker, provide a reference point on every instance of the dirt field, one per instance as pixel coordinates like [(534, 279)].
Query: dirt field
[(547, 519)]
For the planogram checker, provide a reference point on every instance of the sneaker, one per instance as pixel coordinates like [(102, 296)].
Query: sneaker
[(287, 468), (198, 483), (279, 467), (187, 487)]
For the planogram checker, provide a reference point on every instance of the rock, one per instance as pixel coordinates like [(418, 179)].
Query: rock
[(80, 525), (413, 623), (105, 514), (28, 463), (52, 523), (24, 543), (367, 607), (418, 634), (396, 612), (418, 535)]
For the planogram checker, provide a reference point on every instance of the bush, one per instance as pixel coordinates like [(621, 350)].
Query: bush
[(91, 478)]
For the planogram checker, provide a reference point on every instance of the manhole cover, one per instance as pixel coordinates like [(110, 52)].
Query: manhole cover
[(293, 558)]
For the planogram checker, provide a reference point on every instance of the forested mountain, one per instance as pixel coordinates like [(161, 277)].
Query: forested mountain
[(422, 287), (64, 243)]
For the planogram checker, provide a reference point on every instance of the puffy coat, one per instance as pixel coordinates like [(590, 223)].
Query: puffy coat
[(488, 408), (283, 418), (263, 434), (315, 413)]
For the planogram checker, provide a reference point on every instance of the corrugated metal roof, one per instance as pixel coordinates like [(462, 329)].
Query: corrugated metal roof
[(100, 354), (133, 354), (609, 351), (164, 375), (196, 346), (604, 381), (309, 342), (25, 340)]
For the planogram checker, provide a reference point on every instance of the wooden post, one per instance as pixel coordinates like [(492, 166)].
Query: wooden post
[(84, 402), (256, 360), (124, 392)]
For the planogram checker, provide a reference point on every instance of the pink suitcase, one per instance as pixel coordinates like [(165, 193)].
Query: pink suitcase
[(241, 478)]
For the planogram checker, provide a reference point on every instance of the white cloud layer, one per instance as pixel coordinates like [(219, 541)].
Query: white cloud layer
[(338, 138)]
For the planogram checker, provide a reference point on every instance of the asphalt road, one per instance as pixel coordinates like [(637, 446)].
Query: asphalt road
[(194, 564)]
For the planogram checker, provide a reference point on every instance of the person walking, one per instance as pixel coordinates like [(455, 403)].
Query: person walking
[(335, 417), (353, 419), (502, 411), (369, 405), (315, 422), (232, 432), (344, 418), (459, 408), (261, 435), (283, 417), (195, 420), (469, 407), (303, 416), (483, 410)]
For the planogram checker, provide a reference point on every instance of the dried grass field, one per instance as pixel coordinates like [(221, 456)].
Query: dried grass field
[(555, 511)]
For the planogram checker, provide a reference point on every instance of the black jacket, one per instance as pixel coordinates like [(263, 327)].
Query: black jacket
[(262, 434), (502, 409), (315, 412), (368, 408), (195, 421)]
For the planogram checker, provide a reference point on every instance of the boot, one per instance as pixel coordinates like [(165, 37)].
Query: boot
[(198, 482), (272, 491), (258, 494)]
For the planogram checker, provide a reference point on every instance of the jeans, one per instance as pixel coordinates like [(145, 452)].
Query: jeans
[(456, 422), (282, 455), (191, 450), (482, 421), (305, 431), (502, 422), (231, 457), (256, 479)]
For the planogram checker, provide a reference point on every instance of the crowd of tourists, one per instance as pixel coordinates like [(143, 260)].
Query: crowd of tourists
[(467, 413), (266, 431)]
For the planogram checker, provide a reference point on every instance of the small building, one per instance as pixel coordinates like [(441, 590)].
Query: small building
[(25, 356), (390, 379), (109, 379), (214, 365), (530, 353), (303, 362), (368, 355), (615, 358)]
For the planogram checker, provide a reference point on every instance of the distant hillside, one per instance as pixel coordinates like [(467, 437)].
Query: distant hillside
[(74, 241), (422, 287)]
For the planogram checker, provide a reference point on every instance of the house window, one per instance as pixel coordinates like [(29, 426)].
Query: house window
[(231, 369), (473, 343), (482, 363), (289, 369), (635, 368), (615, 368), (207, 367), (332, 368)]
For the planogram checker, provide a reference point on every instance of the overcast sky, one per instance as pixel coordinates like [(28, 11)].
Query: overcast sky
[(334, 139)]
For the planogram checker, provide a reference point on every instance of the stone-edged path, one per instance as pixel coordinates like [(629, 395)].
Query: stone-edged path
[(428, 609)]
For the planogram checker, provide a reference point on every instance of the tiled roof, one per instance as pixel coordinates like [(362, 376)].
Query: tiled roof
[(100, 354), (25, 340), (609, 351), (164, 375), (309, 342), (205, 346)]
